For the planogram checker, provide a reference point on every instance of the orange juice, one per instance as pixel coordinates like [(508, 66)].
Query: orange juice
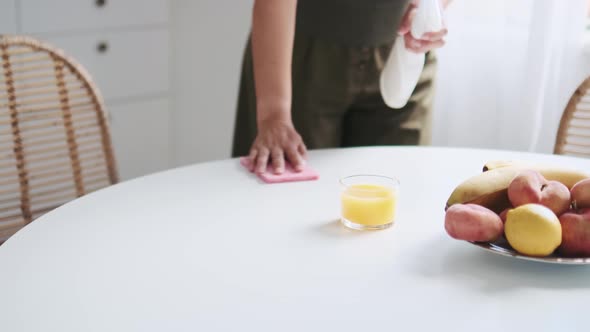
[(369, 205)]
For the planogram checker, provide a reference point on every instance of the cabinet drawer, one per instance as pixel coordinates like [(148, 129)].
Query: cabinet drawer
[(7, 16), (123, 64), (140, 134), (40, 16)]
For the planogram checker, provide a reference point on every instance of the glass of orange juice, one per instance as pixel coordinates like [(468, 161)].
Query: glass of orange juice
[(368, 202)]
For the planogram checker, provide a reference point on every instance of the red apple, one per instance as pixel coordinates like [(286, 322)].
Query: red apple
[(472, 222), (575, 232), (530, 186)]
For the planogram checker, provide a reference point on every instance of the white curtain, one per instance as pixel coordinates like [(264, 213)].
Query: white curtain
[(507, 72)]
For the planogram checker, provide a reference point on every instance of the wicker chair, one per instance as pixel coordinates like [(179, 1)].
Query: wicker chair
[(55, 143), (573, 135)]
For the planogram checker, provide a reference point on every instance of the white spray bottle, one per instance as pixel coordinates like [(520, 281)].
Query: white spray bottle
[(403, 67)]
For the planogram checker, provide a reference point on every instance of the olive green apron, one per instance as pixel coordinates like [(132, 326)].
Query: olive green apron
[(336, 100)]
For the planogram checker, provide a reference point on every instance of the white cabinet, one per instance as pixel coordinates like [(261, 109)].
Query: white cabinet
[(8, 16), (123, 64), (140, 136), (85, 15), (124, 45)]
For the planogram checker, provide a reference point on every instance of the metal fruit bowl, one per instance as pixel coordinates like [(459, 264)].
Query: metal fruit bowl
[(501, 247)]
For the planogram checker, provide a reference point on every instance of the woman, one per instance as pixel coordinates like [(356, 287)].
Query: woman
[(310, 79)]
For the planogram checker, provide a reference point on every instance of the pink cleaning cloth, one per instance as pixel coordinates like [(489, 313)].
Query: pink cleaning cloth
[(289, 175)]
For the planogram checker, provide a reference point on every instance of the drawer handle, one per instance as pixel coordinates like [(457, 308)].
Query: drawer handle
[(102, 47), (100, 3)]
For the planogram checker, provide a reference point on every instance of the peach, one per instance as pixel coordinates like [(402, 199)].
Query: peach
[(472, 222), (575, 231), (526, 188), (580, 193), (530, 186), (556, 196)]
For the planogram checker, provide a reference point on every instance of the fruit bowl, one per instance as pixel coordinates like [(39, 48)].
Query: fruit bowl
[(501, 247), (531, 212)]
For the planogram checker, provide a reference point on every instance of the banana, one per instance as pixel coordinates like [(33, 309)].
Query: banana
[(493, 164), (569, 177), (490, 187), (566, 176), (549, 171)]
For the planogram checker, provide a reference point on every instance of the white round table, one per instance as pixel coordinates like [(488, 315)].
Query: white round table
[(211, 248)]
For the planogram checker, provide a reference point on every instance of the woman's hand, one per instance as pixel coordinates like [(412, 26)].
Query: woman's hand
[(428, 41), (277, 141)]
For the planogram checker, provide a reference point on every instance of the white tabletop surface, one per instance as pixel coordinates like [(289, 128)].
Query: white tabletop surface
[(210, 248)]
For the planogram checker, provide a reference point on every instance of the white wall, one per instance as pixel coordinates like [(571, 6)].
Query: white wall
[(8, 16), (496, 63), (208, 38), (468, 71)]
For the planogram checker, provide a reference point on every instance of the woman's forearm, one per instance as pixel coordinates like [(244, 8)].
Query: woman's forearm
[(273, 29)]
